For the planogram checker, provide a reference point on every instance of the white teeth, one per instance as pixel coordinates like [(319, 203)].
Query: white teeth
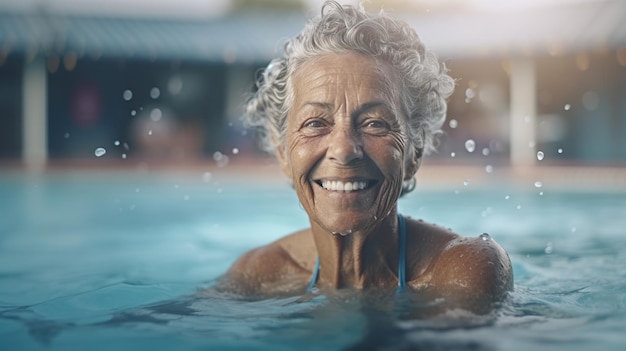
[(336, 185)]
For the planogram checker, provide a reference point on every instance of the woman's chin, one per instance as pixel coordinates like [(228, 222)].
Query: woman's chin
[(346, 226)]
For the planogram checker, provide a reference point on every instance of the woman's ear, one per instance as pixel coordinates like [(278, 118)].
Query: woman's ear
[(412, 163)]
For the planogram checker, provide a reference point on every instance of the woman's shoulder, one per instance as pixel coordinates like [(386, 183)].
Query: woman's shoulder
[(263, 270), (474, 271)]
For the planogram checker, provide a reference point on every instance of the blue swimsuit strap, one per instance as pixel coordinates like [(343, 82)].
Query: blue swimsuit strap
[(401, 258)]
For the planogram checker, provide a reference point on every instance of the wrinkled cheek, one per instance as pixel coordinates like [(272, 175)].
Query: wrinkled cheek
[(389, 194), (305, 194), (392, 186)]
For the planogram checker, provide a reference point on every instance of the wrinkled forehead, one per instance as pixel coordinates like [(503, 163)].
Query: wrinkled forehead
[(334, 75)]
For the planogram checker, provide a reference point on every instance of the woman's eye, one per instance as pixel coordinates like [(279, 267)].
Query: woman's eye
[(314, 124), (376, 126)]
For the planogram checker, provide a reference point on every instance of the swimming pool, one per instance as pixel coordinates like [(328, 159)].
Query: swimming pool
[(111, 261)]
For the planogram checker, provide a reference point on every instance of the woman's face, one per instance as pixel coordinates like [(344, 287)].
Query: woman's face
[(345, 150)]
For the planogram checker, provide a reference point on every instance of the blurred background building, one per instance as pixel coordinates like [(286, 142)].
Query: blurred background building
[(537, 80)]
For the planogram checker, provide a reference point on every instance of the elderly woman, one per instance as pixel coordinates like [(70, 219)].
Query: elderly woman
[(349, 111)]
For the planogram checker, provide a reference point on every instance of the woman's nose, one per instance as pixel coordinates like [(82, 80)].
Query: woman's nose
[(344, 145)]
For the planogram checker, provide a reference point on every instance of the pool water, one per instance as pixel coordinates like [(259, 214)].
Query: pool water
[(114, 261)]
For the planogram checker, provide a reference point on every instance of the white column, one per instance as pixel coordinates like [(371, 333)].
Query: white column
[(34, 115), (523, 112)]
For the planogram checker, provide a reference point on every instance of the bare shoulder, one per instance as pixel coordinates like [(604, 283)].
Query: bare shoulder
[(274, 268), (475, 272)]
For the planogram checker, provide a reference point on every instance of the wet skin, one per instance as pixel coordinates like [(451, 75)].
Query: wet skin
[(346, 151)]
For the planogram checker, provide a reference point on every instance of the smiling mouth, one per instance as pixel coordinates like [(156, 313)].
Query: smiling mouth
[(337, 185)]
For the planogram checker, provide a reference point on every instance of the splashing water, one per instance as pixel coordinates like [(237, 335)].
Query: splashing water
[(156, 114), (540, 155), (220, 159), (469, 95), (100, 152), (155, 93), (470, 145)]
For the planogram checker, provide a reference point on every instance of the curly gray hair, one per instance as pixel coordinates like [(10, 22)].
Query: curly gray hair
[(420, 83)]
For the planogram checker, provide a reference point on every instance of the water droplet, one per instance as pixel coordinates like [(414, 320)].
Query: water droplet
[(486, 151), (470, 145), (206, 177), (487, 212), (507, 197), (124, 156), (116, 143), (150, 132), (453, 154), (538, 184), (567, 107), (156, 114), (470, 93), (548, 250), (489, 168), (466, 182), (453, 123), (519, 207), (560, 150), (155, 93), (100, 152), (541, 193), (540, 155), (235, 151), (133, 112), (66, 135), (125, 145), (127, 95), (485, 236), (220, 159)]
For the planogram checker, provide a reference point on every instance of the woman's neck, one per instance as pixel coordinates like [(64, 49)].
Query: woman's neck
[(359, 259)]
